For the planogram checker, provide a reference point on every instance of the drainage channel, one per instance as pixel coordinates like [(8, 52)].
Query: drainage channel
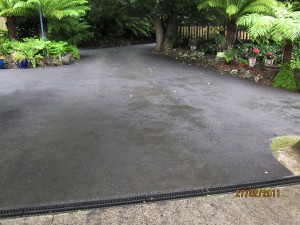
[(59, 208)]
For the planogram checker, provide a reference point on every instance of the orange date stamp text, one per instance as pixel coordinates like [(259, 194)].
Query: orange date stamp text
[(257, 193)]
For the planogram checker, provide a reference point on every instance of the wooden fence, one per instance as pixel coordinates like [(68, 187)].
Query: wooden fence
[(207, 32), (2, 23)]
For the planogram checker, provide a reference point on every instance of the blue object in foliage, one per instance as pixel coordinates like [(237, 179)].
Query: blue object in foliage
[(1, 63), (23, 64)]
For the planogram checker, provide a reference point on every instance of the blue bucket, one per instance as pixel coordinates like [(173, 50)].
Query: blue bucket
[(23, 64), (1, 64)]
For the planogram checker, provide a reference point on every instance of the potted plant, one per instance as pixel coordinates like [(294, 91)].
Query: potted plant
[(20, 59), (2, 56), (28, 51), (1, 62), (252, 56), (270, 57)]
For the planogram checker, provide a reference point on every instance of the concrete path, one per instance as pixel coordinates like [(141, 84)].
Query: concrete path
[(217, 209), (123, 122)]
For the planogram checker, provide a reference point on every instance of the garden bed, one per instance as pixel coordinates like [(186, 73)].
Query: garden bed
[(260, 73)]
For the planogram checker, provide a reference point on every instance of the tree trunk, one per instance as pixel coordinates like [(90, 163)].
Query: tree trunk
[(231, 33), (159, 32), (287, 51), (170, 33), (11, 27)]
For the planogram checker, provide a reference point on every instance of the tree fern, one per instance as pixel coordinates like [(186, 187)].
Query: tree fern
[(231, 10), (283, 25)]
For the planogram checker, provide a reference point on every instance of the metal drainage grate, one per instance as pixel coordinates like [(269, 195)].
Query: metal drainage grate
[(46, 209)]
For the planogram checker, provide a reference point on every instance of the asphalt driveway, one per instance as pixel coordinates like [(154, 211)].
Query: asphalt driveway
[(123, 122)]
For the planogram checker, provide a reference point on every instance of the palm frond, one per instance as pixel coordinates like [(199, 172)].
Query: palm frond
[(282, 24), (232, 10)]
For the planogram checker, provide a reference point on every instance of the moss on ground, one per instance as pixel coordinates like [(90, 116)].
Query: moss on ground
[(284, 143), (287, 151)]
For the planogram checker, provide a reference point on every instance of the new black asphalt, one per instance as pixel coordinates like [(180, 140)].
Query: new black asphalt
[(122, 121)]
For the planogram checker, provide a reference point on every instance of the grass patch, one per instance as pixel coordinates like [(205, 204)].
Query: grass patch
[(284, 142), (286, 149)]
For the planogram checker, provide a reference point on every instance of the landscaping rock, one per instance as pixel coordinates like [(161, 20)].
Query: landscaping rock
[(234, 72), (42, 62), (10, 66), (257, 78), (242, 70), (49, 61), (66, 60), (247, 75), (53, 62)]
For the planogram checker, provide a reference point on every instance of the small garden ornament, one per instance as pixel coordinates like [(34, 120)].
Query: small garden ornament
[(252, 57), (270, 57)]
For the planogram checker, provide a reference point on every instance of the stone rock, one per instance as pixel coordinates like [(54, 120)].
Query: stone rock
[(247, 75), (72, 59), (53, 61), (66, 60), (42, 62), (242, 70), (234, 72), (258, 78), (10, 66), (57, 62)]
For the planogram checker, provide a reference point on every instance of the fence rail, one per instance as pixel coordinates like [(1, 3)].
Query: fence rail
[(207, 32), (2, 23)]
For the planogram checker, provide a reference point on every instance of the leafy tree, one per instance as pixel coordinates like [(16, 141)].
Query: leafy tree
[(10, 12), (231, 10), (282, 25), (55, 9), (166, 15)]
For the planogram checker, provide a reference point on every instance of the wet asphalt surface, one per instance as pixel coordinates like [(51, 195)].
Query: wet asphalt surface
[(123, 121)]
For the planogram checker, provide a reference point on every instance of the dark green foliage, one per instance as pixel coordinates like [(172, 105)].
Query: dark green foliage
[(296, 50), (207, 46), (4, 43), (27, 26), (243, 61), (112, 19), (230, 56), (74, 31), (286, 79)]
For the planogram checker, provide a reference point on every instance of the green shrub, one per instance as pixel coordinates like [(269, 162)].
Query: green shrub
[(34, 49), (5, 44), (243, 61), (295, 64), (60, 48), (286, 79), (230, 55), (56, 49), (73, 50), (31, 48), (220, 41)]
